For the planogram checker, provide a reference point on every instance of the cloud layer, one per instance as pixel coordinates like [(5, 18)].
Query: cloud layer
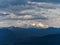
[(50, 1), (22, 13)]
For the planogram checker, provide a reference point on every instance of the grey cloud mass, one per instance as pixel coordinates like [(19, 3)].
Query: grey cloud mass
[(19, 12), (6, 3), (50, 1)]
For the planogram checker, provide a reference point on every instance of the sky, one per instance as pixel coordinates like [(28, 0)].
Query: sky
[(27, 13)]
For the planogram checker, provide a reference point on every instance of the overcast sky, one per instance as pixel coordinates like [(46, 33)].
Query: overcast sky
[(23, 12)]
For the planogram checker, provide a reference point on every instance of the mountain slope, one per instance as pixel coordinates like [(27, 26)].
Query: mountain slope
[(53, 39), (45, 40), (29, 36)]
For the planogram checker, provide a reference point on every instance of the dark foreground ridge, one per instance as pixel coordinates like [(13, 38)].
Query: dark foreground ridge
[(29, 36)]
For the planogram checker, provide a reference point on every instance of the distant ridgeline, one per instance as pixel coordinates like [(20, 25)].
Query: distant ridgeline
[(33, 31), (37, 36)]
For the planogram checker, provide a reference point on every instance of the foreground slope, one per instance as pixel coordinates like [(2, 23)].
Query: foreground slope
[(29, 36)]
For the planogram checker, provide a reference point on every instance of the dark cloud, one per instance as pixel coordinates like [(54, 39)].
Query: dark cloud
[(6, 3), (3, 14), (37, 18), (17, 2), (53, 1)]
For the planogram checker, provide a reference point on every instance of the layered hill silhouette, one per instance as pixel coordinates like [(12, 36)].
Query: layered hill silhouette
[(29, 36)]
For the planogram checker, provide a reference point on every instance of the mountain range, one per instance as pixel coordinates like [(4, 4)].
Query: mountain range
[(29, 36)]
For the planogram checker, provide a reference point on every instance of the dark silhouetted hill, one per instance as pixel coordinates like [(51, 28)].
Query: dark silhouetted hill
[(29, 36)]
